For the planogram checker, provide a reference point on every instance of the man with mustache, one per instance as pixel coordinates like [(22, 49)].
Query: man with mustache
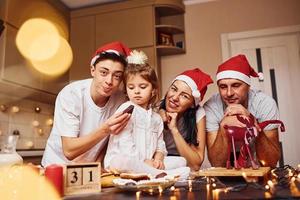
[(236, 98)]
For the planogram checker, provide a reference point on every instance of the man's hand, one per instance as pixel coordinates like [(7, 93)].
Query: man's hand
[(256, 125), (236, 109), (231, 121), (116, 123)]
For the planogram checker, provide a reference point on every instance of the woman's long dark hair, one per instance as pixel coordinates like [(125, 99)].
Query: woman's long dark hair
[(189, 123)]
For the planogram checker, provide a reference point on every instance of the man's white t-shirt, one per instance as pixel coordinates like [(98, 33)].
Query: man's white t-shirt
[(77, 115)]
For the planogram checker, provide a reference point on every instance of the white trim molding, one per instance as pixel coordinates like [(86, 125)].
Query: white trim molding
[(226, 38)]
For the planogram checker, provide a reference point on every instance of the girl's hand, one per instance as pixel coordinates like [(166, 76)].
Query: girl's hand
[(158, 164), (163, 115), (149, 162), (116, 123)]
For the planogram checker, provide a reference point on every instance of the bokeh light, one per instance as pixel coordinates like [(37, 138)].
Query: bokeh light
[(38, 39), (59, 63), (23, 182), (40, 42)]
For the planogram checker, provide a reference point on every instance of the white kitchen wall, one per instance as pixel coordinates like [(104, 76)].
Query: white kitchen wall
[(34, 128)]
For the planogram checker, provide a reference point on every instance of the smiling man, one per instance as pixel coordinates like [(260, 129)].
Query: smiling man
[(84, 110), (236, 98)]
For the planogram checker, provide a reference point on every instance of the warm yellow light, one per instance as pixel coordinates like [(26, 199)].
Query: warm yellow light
[(22, 182), (172, 188), (270, 183), (38, 39), (138, 194), (49, 122), (57, 64), (267, 187)]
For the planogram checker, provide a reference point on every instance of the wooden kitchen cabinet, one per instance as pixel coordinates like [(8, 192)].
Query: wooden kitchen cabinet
[(18, 76), (83, 46), (133, 26), (136, 23)]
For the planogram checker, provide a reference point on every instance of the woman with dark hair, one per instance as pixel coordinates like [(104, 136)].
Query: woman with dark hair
[(184, 119), (84, 110)]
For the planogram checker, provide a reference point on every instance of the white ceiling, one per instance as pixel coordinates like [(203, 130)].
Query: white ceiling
[(73, 4)]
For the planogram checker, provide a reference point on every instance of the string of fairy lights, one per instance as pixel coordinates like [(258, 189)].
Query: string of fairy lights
[(281, 178)]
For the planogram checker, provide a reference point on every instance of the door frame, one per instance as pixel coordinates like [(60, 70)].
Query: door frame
[(226, 38)]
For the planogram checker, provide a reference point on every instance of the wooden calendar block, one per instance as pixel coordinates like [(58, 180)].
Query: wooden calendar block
[(74, 176), (90, 175), (82, 178)]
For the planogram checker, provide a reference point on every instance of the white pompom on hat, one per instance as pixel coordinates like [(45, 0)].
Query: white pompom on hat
[(197, 81), (239, 68), (115, 47), (137, 57)]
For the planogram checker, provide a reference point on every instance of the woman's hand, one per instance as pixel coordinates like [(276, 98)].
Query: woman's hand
[(116, 123), (172, 121)]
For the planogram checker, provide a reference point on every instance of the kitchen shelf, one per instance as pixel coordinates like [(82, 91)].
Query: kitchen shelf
[(165, 50), (168, 10), (169, 29)]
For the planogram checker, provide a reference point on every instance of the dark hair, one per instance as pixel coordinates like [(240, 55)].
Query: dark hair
[(111, 56), (148, 73), (189, 123)]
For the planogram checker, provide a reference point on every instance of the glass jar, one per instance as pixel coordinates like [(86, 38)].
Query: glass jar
[(8, 154)]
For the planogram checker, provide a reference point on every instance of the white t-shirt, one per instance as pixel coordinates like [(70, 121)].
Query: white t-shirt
[(260, 105), (77, 115), (140, 139)]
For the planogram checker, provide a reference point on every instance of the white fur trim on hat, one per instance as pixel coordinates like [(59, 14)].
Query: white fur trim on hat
[(196, 94), (97, 56), (260, 76), (112, 51), (191, 83), (94, 60), (235, 75)]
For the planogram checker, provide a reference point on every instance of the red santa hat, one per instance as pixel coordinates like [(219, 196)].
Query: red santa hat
[(237, 67), (197, 81), (114, 47)]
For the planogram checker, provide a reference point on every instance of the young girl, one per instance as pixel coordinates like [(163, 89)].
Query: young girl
[(140, 147)]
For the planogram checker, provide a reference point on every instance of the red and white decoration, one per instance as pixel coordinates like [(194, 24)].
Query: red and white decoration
[(114, 47), (197, 81), (237, 67)]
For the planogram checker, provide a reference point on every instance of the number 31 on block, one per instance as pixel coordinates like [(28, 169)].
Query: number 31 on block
[(82, 178)]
